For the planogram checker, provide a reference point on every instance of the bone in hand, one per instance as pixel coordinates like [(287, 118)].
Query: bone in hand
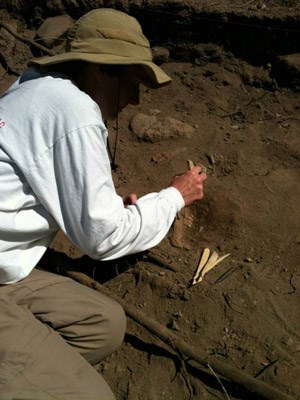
[(191, 165)]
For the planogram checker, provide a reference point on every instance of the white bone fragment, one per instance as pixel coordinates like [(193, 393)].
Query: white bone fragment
[(211, 263), (190, 164), (202, 263)]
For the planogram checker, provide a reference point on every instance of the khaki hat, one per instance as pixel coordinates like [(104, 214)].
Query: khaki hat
[(108, 36)]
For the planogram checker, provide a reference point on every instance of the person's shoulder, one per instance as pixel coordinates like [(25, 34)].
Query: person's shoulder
[(57, 94), (62, 90), (52, 87)]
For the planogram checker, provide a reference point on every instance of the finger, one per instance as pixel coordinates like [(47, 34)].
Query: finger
[(196, 169), (126, 200), (133, 198), (130, 199), (203, 176)]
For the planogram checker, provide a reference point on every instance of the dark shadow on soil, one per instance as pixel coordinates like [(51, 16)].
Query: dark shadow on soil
[(101, 271), (198, 372)]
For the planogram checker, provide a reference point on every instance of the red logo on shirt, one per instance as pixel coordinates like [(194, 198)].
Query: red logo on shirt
[(2, 123)]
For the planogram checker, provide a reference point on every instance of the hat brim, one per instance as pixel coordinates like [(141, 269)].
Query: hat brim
[(156, 77)]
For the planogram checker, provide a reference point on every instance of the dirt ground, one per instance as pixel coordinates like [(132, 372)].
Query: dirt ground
[(246, 132)]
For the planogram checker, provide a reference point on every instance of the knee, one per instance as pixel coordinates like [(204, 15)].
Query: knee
[(116, 326), (111, 330)]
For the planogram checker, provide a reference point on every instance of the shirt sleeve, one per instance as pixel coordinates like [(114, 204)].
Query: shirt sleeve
[(73, 181)]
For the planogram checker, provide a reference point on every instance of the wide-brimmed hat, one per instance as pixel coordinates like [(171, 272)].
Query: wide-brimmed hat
[(108, 36)]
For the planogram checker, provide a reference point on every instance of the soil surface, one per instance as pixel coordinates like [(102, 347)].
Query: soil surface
[(246, 128)]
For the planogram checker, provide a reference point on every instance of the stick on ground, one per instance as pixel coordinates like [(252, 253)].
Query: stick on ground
[(24, 39), (259, 389)]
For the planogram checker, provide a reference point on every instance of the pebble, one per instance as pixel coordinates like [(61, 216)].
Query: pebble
[(172, 294), (246, 276), (185, 295), (154, 111), (178, 314), (211, 159), (174, 326), (285, 124), (288, 341), (160, 54)]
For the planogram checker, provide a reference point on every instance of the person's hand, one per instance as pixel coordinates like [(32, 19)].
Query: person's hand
[(130, 199), (190, 185)]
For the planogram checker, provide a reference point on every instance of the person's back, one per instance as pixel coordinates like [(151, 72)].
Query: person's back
[(38, 112)]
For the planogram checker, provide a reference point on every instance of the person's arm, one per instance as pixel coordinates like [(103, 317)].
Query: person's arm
[(73, 181), (190, 185)]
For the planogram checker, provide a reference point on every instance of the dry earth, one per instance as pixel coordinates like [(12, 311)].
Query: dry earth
[(246, 128)]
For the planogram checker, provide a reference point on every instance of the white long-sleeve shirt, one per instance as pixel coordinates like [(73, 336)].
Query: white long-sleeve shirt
[(55, 174)]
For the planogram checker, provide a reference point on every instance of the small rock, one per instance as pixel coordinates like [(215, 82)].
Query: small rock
[(211, 159), (154, 111), (172, 294), (235, 127), (288, 341), (221, 247), (149, 128), (185, 295), (159, 157), (173, 325), (269, 66), (248, 259), (285, 124), (160, 55), (178, 314), (246, 276), (54, 30), (161, 273)]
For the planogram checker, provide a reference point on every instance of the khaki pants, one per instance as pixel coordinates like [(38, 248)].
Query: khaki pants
[(51, 330)]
